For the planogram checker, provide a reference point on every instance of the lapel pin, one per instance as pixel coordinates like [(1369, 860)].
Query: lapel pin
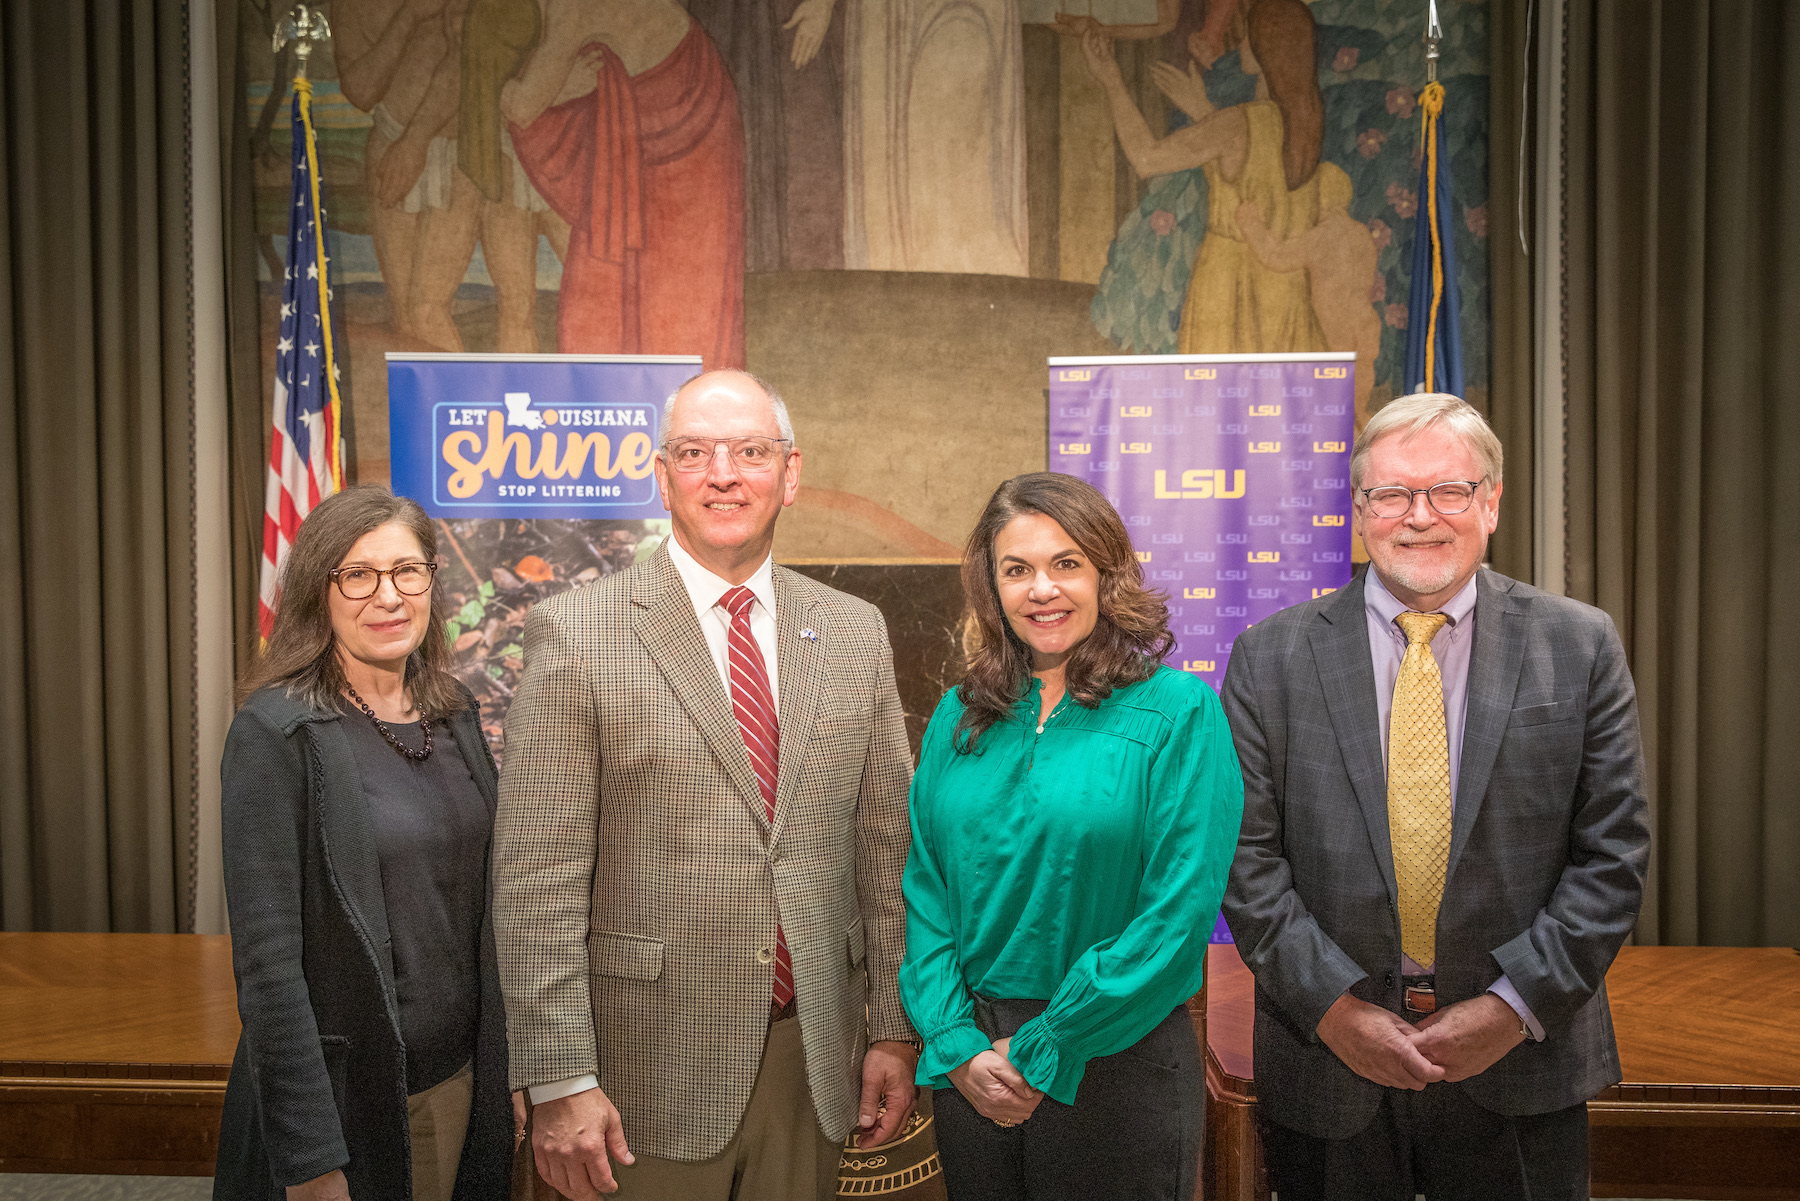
[(810, 634)]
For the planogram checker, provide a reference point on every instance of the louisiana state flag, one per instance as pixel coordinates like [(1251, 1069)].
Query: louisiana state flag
[(1434, 361)]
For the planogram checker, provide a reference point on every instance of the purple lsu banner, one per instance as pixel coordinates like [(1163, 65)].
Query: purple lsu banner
[(503, 435), (1232, 475)]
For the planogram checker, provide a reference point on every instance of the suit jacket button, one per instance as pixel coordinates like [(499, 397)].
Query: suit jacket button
[(765, 955), (1389, 979)]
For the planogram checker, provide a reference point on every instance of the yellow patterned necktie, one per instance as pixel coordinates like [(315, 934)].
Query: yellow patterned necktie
[(1419, 788)]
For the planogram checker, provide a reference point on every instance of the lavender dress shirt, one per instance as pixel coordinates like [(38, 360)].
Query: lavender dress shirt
[(1451, 647)]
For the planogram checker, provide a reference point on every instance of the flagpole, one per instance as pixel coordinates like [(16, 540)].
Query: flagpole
[(1434, 34), (305, 26), (305, 446), (1433, 328), (1431, 107)]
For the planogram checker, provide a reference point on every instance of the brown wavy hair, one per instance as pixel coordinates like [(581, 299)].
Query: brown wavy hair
[(1283, 37), (302, 653), (1131, 635)]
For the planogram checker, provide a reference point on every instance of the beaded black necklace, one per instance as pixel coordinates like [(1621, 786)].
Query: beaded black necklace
[(424, 724)]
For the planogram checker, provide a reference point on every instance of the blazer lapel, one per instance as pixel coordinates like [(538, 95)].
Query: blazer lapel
[(1494, 664), (1340, 644), (802, 678), (465, 730), (347, 832), (666, 625)]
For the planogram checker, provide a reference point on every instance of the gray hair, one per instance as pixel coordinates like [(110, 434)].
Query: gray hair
[(782, 421), (1412, 415)]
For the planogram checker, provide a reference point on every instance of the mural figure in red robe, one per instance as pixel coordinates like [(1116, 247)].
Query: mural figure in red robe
[(627, 122)]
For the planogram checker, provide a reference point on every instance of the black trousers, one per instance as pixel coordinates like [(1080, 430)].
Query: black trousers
[(1438, 1143), (1133, 1132)]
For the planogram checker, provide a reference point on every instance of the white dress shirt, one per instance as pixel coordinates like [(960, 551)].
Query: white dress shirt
[(704, 590), (1452, 647)]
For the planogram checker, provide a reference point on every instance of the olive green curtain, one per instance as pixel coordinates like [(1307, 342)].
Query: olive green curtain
[(1682, 281), (96, 450), (248, 388), (1512, 32)]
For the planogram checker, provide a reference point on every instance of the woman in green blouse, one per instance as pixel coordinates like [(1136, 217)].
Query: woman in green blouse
[(1074, 813)]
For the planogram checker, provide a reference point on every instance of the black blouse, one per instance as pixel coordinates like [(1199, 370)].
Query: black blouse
[(431, 833)]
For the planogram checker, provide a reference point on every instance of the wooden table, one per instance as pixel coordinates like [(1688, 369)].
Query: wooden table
[(114, 1049), (1709, 1040)]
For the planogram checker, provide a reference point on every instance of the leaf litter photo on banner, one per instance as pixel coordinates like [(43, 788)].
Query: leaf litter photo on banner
[(495, 569)]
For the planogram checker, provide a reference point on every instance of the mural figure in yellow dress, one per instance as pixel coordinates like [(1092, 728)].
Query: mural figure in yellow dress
[(1264, 153), (1338, 256)]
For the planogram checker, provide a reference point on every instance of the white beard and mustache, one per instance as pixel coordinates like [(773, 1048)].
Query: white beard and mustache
[(1419, 578)]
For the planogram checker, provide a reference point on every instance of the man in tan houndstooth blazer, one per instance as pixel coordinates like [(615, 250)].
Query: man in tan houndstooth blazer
[(641, 892)]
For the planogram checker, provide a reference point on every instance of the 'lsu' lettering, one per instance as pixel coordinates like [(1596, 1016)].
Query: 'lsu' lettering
[(1318, 592), (1330, 448), (1143, 556), (1199, 665), (1074, 448), (1075, 377), (1201, 373), (1204, 484), (1199, 593), (1265, 448), (1331, 373), (1134, 448), (1329, 519), (1262, 556), (1135, 411), (1265, 410), (634, 458)]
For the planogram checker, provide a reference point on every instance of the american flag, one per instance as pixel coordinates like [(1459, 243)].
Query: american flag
[(305, 456)]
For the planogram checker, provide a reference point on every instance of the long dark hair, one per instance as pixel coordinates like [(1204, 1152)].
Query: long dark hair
[(1131, 635), (302, 652), (1282, 36)]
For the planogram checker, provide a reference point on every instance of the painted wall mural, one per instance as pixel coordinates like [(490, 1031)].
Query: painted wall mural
[(893, 209), (1280, 213)]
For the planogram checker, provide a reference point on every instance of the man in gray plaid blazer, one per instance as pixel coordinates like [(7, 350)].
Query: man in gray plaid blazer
[(1443, 847), (698, 850)]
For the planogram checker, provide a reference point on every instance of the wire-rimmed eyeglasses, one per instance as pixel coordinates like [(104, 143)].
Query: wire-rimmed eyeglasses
[(747, 454), (1448, 498), (360, 583)]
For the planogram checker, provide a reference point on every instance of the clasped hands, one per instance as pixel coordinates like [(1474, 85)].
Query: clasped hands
[(995, 1087), (1455, 1043)]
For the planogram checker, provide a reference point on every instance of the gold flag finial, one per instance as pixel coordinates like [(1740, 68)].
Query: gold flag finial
[(304, 26)]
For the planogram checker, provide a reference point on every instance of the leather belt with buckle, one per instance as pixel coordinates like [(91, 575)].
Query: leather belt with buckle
[(1420, 993)]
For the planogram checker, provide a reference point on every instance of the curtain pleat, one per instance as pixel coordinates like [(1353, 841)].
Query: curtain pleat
[(96, 544), (1683, 271), (1512, 382), (247, 388)]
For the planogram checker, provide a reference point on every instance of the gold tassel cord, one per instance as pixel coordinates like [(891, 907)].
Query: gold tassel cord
[(1431, 108), (334, 454)]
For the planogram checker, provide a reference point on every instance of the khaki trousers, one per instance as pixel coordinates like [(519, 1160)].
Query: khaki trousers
[(439, 1119), (778, 1153)]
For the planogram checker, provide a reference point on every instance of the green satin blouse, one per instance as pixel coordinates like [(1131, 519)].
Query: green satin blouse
[(1082, 865)]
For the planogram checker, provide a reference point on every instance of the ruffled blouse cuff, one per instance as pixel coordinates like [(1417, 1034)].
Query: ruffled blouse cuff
[(1045, 1062), (948, 1048)]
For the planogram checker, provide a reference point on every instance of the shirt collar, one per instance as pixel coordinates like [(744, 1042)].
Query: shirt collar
[(1385, 606), (704, 588)]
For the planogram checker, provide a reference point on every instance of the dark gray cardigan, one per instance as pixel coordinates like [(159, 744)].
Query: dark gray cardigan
[(319, 1080)]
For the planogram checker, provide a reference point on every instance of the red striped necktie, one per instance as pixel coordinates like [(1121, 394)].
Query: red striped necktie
[(754, 703)]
